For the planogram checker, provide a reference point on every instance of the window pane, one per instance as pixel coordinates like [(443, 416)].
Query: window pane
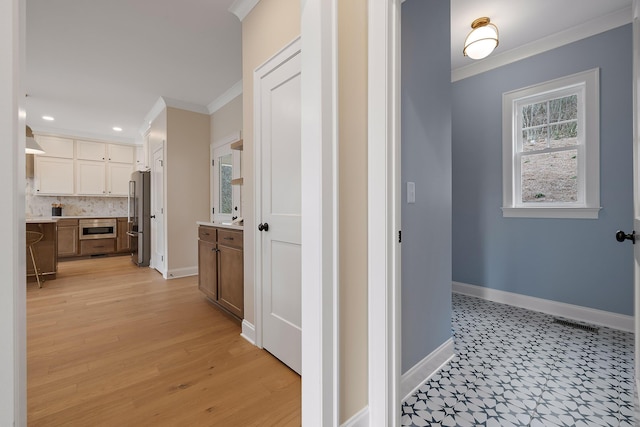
[(226, 172), (564, 135), (534, 115), (550, 177), (561, 109), (534, 139)]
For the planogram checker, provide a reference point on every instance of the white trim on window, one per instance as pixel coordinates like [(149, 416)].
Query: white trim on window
[(216, 149), (586, 85)]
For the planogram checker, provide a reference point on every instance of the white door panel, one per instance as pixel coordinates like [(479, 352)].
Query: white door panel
[(157, 211), (280, 186)]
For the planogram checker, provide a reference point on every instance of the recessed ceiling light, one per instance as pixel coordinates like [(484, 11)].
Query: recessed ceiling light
[(48, 118), (117, 129)]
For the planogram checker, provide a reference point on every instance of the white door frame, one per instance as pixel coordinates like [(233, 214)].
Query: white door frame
[(384, 212), (636, 173), (160, 265), (320, 331), (13, 355)]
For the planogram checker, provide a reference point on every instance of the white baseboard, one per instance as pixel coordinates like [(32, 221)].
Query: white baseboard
[(423, 370), (182, 272), (248, 332), (554, 308), (361, 419)]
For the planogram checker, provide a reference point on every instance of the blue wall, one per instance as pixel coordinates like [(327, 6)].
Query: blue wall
[(572, 261), (426, 160)]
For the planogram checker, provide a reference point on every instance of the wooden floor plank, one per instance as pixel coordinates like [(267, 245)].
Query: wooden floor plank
[(111, 344)]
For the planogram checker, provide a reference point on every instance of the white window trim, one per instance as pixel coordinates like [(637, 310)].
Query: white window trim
[(589, 162), (216, 149)]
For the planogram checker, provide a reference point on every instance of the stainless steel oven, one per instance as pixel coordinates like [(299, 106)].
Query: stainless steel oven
[(97, 228)]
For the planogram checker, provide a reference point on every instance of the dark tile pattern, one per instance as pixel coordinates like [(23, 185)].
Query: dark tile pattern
[(516, 367)]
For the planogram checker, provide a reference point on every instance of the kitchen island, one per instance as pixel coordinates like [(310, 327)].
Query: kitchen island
[(45, 251)]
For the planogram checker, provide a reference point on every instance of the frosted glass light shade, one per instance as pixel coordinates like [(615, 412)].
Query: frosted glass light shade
[(482, 40)]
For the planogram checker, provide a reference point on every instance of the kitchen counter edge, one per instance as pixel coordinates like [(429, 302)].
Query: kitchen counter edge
[(220, 225)]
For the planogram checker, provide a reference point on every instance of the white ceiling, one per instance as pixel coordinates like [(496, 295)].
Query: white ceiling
[(97, 64), (521, 22)]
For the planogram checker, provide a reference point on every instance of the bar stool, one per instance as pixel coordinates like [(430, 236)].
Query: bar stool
[(34, 237)]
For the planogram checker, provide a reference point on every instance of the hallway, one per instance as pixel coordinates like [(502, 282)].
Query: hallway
[(111, 344), (516, 367)]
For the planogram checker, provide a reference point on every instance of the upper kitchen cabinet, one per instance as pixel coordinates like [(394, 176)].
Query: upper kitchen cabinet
[(120, 153), (84, 168), (103, 169), (53, 176), (54, 146), (54, 170), (89, 150), (90, 179)]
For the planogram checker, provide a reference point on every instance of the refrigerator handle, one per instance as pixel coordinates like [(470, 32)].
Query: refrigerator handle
[(132, 193)]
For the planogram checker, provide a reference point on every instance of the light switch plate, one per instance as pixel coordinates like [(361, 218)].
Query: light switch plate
[(411, 192)]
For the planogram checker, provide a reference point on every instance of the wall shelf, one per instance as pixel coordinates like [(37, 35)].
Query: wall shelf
[(237, 145)]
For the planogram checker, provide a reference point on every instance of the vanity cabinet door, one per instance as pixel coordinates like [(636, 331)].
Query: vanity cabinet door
[(230, 278), (208, 268)]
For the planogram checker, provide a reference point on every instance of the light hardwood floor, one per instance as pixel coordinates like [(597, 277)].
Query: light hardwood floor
[(110, 344)]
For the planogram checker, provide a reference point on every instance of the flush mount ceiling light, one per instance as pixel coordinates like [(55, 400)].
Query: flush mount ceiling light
[(117, 128), (481, 40), (31, 146), (48, 118)]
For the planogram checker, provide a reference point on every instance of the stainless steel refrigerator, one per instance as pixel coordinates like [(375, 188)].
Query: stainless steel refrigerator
[(139, 203)]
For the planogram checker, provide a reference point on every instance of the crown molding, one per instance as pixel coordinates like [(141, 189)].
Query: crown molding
[(590, 28), (155, 111), (229, 95), (182, 105), (164, 102), (241, 8)]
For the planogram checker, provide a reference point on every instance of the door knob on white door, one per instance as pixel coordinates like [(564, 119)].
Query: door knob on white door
[(263, 227), (621, 236)]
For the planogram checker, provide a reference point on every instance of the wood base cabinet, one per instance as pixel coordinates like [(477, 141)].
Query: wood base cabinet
[(68, 242), (221, 268)]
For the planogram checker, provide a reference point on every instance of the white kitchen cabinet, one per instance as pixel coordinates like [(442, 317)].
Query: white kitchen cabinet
[(54, 146), (120, 153), (118, 177), (90, 178), (140, 163), (53, 176), (90, 168), (90, 150)]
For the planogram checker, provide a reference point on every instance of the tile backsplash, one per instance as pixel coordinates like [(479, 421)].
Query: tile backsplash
[(40, 206)]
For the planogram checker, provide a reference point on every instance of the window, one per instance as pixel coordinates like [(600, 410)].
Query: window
[(551, 144), (225, 196)]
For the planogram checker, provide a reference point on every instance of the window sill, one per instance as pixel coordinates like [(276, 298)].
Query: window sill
[(550, 212)]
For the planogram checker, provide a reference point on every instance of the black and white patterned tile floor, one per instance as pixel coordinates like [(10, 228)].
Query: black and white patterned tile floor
[(516, 367)]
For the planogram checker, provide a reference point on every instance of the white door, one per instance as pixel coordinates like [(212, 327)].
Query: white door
[(636, 173), (279, 216), (157, 211)]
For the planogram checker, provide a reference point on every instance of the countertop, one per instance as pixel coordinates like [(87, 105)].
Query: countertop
[(221, 225), (56, 218), (40, 220)]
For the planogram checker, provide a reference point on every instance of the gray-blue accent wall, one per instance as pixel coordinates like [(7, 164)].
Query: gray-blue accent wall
[(575, 261), (426, 160)]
